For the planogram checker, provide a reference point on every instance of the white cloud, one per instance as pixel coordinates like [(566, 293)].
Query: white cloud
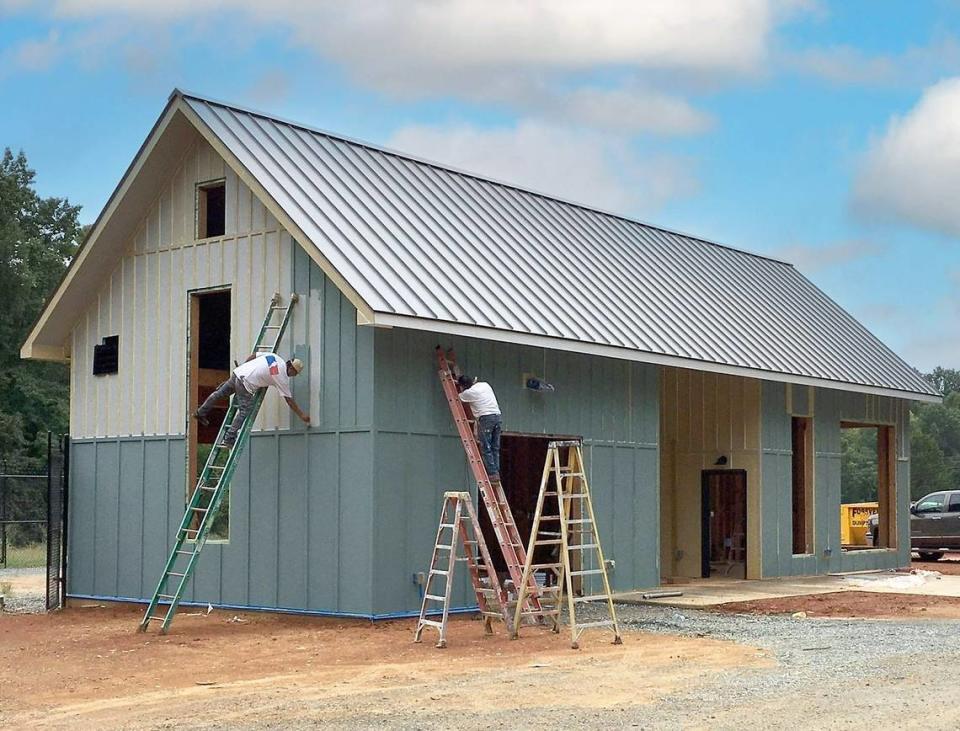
[(34, 54), (386, 38), (911, 173), (633, 110), (538, 58), (845, 65), (810, 259), (590, 168)]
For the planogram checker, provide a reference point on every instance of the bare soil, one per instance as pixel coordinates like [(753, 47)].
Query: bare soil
[(860, 604), (949, 564), (88, 667)]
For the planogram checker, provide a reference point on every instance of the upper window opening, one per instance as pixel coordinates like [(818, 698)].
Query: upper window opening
[(211, 209), (106, 357)]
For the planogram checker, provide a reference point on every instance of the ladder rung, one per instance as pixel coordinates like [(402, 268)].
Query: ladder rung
[(537, 613), (578, 496), (445, 548), (446, 525), (431, 623), (199, 510), (155, 619), (582, 546), (175, 573), (590, 598), (546, 566), (586, 572), (549, 517), (580, 520), (186, 553), (166, 596)]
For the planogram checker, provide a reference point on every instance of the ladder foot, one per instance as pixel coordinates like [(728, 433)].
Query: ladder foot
[(442, 645), (618, 640), (575, 645)]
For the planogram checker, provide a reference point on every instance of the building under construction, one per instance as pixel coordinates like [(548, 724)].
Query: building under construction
[(710, 386)]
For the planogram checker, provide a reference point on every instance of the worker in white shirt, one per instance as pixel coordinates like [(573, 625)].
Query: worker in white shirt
[(483, 403), (257, 372)]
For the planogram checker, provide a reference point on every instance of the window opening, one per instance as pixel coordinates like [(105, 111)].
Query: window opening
[(209, 367), (802, 488), (106, 356), (211, 209), (867, 487)]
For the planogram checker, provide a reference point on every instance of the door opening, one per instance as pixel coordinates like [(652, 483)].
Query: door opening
[(723, 508), (209, 366), (521, 470)]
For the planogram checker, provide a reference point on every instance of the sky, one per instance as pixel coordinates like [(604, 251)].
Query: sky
[(823, 133)]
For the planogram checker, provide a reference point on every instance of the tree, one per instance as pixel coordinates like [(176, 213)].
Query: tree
[(38, 237), (935, 437), (946, 380)]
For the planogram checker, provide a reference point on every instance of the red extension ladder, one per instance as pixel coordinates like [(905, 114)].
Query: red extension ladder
[(501, 517)]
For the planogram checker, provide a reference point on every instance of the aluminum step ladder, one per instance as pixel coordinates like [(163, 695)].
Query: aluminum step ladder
[(498, 509), (213, 485), (459, 527), (565, 529)]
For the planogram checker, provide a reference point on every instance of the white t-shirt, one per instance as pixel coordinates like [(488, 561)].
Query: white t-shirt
[(481, 399), (266, 370)]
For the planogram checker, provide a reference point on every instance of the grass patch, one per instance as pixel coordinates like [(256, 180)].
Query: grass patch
[(33, 556)]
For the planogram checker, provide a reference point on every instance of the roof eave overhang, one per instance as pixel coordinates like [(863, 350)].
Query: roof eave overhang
[(38, 347), (381, 319)]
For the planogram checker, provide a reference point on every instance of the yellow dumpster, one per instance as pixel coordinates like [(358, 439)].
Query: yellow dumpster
[(854, 523)]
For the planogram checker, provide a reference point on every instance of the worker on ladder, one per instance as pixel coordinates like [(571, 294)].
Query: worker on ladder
[(258, 371), (479, 396)]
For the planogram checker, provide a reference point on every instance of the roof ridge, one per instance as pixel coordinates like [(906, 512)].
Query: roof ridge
[(476, 176)]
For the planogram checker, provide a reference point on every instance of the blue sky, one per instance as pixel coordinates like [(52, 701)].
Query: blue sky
[(826, 133)]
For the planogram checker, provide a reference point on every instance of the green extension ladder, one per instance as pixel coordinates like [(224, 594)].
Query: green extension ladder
[(212, 486)]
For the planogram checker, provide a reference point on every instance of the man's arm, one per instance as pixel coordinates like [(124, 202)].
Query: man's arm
[(296, 409)]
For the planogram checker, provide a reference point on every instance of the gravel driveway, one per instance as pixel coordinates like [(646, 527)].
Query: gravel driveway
[(831, 673), (23, 590)]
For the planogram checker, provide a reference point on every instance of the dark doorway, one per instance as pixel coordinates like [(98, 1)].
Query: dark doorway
[(209, 367), (724, 523), (521, 470)]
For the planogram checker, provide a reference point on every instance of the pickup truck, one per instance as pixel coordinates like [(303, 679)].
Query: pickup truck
[(934, 525)]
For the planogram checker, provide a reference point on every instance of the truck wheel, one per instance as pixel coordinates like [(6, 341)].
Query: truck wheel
[(930, 555)]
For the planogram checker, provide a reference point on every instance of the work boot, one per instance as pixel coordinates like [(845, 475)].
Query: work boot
[(201, 419)]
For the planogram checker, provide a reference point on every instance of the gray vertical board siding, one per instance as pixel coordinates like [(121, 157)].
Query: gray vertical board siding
[(830, 407), (322, 542), (355, 575), (613, 405), (264, 528), (107, 502), (130, 528), (235, 556), (301, 502), (293, 537), (81, 563)]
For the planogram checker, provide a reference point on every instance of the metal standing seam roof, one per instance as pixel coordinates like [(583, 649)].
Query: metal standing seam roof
[(421, 241)]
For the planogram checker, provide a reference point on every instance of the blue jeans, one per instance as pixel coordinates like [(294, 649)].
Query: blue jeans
[(489, 434)]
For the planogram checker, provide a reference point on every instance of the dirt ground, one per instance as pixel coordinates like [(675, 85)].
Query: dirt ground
[(89, 667), (863, 604), (949, 564)]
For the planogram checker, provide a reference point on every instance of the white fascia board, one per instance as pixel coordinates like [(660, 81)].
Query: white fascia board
[(611, 351)]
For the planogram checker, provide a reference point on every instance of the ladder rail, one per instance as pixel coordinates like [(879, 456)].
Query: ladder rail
[(494, 499), (459, 517), (566, 484), (215, 478)]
